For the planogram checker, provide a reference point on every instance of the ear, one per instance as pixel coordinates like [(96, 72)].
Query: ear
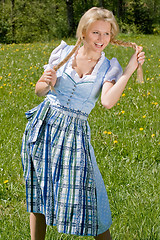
[(83, 35)]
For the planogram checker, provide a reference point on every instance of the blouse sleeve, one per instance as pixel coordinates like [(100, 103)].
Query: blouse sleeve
[(114, 72), (55, 56)]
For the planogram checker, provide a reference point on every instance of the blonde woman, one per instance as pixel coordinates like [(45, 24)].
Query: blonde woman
[(64, 187)]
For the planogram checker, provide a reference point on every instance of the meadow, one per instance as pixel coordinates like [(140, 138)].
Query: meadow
[(125, 138)]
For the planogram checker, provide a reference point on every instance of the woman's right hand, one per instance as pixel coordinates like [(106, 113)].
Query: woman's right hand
[(46, 82), (49, 76)]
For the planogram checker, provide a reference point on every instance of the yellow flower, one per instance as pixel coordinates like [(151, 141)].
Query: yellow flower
[(155, 103), (9, 74), (4, 84), (10, 92), (129, 88), (122, 112), (118, 104), (144, 116), (153, 135), (148, 93), (30, 68), (0, 77), (144, 95), (141, 129), (6, 181), (31, 83), (109, 133), (115, 141), (123, 95), (149, 59), (147, 78), (1, 86), (105, 132)]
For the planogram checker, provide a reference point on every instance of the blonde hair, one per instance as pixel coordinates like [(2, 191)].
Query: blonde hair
[(86, 20), (95, 14)]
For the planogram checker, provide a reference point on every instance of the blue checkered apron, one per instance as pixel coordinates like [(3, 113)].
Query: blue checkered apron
[(58, 169)]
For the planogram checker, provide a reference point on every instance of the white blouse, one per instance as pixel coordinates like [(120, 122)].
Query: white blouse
[(113, 74)]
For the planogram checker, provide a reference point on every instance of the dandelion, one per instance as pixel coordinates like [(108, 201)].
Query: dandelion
[(109, 133), (141, 129), (4, 84), (9, 74), (123, 95), (148, 93), (115, 141), (1, 86), (154, 103), (31, 83), (122, 112), (149, 59), (147, 79), (153, 135), (129, 88), (30, 68), (118, 104), (10, 92), (6, 181), (144, 95), (0, 77), (144, 116), (105, 132)]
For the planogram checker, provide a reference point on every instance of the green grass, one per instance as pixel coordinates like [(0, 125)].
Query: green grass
[(130, 166)]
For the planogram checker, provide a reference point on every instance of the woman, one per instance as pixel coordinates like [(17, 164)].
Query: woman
[(63, 184)]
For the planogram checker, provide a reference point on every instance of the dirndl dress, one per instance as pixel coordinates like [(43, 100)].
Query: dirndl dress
[(63, 181)]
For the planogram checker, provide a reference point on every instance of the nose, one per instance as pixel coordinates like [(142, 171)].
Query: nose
[(99, 36)]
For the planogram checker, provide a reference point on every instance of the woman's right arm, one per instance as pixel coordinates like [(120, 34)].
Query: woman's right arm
[(44, 84)]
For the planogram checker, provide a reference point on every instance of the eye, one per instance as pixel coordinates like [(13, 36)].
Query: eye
[(95, 32), (107, 33)]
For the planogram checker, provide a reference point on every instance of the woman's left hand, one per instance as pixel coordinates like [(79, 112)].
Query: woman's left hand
[(137, 58)]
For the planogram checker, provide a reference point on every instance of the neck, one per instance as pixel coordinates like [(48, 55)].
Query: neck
[(90, 55)]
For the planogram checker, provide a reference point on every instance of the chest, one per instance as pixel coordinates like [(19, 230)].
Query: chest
[(83, 66)]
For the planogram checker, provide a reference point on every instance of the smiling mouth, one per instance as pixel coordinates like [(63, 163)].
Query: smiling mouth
[(99, 45)]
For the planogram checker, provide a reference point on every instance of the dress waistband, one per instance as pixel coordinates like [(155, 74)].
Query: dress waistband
[(70, 112)]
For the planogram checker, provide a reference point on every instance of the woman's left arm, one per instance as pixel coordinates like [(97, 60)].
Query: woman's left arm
[(111, 93)]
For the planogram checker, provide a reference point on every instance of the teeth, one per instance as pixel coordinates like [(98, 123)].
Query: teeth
[(99, 44)]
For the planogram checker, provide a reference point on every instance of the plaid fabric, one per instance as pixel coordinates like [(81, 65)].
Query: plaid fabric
[(58, 169)]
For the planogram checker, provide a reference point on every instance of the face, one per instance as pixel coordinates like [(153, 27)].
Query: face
[(97, 35)]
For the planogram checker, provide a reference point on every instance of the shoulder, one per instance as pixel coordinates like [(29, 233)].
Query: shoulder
[(114, 70), (57, 54)]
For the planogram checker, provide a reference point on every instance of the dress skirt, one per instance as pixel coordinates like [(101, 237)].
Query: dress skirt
[(63, 181)]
